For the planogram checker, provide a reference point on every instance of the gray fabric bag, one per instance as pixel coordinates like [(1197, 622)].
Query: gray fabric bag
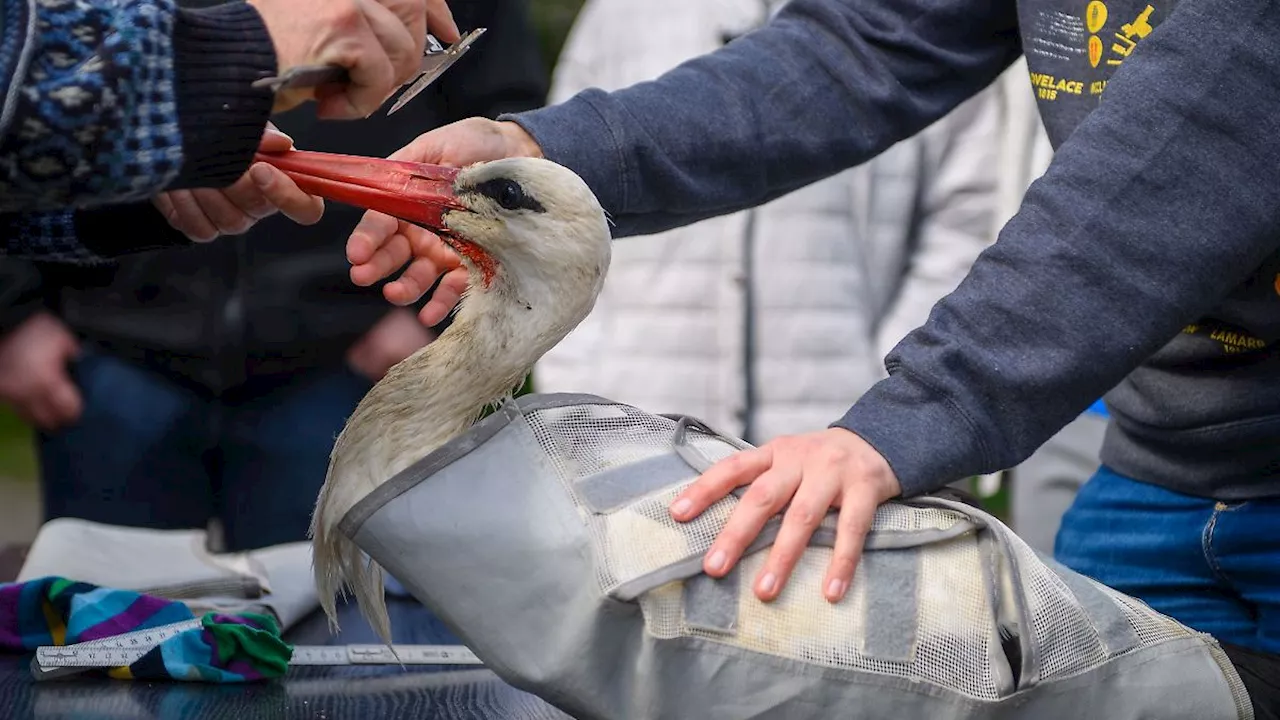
[(541, 537)]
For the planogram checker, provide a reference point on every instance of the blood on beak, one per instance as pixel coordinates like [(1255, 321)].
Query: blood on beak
[(417, 192)]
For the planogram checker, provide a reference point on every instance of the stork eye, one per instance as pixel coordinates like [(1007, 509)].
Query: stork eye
[(509, 194)]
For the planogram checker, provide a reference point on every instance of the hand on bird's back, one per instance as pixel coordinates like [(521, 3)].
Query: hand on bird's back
[(812, 472), (380, 245)]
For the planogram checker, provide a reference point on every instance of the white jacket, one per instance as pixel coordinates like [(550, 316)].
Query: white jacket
[(771, 321)]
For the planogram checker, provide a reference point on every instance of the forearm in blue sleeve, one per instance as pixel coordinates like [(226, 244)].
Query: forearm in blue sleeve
[(1156, 206), (826, 85)]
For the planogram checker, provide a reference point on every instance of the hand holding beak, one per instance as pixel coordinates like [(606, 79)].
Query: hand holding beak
[(205, 214), (380, 245)]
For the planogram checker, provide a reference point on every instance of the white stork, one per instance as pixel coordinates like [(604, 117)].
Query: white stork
[(536, 245)]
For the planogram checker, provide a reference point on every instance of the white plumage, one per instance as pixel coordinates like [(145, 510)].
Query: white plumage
[(536, 244)]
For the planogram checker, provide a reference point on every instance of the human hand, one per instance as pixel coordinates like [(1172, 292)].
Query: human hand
[(380, 244), (392, 339), (814, 472), (204, 214), (470, 141), (34, 379), (379, 42)]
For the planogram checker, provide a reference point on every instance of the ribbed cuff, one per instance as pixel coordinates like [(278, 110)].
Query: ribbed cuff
[(927, 441), (115, 230), (218, 53)]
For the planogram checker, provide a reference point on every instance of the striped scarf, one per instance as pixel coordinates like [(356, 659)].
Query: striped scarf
[(226, 649)]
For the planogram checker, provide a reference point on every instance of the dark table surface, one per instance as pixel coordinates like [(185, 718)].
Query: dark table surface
[(319, 692)]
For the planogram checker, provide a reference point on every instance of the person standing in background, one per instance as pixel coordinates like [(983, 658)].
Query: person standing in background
[(177, 387), (773, 320)]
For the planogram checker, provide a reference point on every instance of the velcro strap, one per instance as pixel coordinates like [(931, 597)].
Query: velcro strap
[(892, 606), (620, 486), (712, 604)]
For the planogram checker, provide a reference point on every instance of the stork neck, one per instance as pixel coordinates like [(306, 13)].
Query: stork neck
[(470, 365)]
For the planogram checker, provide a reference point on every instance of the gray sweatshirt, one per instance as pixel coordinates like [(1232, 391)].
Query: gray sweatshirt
[(1143, 264)]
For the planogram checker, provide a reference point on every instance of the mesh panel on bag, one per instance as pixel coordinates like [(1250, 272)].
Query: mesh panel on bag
[(955, 625), (1064, 637)]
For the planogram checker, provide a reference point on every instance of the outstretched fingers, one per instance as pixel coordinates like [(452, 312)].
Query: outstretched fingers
[(769, 491), (857, 512), (815, 492), (719, 480), (766, 496)]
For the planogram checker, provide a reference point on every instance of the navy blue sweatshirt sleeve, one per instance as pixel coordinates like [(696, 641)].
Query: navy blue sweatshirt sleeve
[(826, 85), (1159, 203), (1161, 200)]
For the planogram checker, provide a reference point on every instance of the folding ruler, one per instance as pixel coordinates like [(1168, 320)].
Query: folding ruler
[(54, 661)]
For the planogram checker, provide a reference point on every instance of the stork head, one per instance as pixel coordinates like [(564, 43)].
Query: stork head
[(527, 228), (530, 230)]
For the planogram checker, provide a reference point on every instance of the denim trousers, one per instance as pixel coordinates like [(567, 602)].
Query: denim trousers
[(150, 452), (1213, 566)]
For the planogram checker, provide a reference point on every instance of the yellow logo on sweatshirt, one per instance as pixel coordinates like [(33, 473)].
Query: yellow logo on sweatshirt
[(1095, 17)]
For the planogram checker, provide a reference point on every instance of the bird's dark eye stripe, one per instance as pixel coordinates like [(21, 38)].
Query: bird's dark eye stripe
[(509, 194)]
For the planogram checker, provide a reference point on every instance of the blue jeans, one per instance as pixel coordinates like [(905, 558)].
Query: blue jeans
[(1214, 566), (149, 452)]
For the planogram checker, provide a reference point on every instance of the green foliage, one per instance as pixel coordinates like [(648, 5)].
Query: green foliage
[(551, 22), (17, 451)]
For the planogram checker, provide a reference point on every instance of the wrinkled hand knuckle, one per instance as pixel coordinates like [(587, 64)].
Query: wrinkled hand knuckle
[(833, 456), (805, 515), (762, 496)]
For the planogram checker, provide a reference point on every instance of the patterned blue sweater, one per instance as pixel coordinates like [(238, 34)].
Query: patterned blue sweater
[(109, 102)]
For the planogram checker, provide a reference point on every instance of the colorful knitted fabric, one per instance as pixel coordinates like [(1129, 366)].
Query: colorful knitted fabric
[(107, 103), (57, 611)]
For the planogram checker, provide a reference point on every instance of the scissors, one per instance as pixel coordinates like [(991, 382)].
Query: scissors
[(435, 61)]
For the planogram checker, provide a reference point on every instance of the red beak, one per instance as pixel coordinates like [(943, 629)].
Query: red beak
[(417, 192)]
